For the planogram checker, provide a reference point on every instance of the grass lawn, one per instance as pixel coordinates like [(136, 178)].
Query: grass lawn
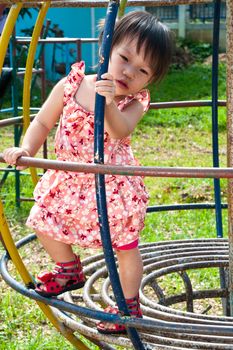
[(175, 137)]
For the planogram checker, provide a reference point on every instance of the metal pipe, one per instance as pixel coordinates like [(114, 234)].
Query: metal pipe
[(229, 141), (129, 170), (100, 179), (104, 3)]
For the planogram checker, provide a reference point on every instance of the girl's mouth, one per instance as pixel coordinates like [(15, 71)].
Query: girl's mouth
[(122, 84)]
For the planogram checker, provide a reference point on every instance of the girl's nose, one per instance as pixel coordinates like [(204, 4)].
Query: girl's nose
[(129, 72)]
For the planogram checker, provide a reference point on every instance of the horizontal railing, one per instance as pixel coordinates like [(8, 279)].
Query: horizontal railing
[(104, 3)]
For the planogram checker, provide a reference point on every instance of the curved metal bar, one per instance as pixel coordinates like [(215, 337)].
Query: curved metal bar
[(28, 74), (17, 261), (100, 179), (7, 31), (188, 291), (11, 249), (157, 325), (30, 61)]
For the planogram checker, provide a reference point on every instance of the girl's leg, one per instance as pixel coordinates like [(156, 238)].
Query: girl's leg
[(58, 251), (130, 271), (68, 273)]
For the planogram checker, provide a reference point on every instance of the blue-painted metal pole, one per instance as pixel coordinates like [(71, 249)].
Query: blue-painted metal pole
[(217, 188), (217, 5), (100, 179)]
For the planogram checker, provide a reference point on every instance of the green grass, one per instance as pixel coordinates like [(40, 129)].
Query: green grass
[(192, 83), (176, 137)]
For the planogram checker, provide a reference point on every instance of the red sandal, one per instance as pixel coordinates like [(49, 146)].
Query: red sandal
[(111, 328), (49, 286)]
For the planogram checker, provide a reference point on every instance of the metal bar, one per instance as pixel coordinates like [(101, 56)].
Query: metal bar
[(13, 121), (28, 73), (79, 50), (13, 252), (181, 104), (27, 40), (196, 338), (188, 291), (7, 31), (104, 3), (153, 105), (200, 173), (215, 146), (215, 143), (100, 179), (43, 77), (189, 206), (229, 141), (157, 325), (121, 11)]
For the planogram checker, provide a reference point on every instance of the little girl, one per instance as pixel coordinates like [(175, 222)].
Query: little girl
[(65, 212)]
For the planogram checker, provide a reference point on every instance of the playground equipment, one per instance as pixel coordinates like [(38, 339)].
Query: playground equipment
[(163, 327)]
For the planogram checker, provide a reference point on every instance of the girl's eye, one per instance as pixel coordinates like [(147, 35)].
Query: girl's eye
[(144, 71), (124, 57)]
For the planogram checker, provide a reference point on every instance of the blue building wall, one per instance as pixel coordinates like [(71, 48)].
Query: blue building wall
[(75, 23)]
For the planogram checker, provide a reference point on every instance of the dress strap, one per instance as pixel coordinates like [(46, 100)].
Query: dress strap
[(142, 96), (73, 80)]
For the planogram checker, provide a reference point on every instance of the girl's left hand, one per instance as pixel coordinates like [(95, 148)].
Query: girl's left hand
[(106, 87)]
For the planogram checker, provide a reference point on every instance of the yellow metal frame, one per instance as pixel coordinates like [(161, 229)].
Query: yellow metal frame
[(30, 61), (28, 74), (13, 252), (7, 31), (122, 7)]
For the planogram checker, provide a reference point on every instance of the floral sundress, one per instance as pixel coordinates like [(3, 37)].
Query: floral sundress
[(65, 202)]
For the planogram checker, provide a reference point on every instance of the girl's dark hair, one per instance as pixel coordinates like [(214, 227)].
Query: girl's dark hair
[(152, 35)]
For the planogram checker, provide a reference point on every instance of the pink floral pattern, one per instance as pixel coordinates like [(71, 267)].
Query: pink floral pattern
[(65, 207)]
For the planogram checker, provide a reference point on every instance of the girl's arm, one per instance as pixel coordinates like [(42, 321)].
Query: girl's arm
[(45, 120), (38, 130), (118, 123)]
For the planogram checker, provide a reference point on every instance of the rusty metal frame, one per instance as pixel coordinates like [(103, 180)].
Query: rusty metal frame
[(104, 3)]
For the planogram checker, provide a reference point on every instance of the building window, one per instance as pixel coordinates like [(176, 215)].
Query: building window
[(197, 12), (164, 13), (205, 12)]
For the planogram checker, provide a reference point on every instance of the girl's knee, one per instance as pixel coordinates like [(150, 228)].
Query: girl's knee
[(130, 253)]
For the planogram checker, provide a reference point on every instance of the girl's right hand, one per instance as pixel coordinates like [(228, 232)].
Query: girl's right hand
[(106, 87), (11, 155)]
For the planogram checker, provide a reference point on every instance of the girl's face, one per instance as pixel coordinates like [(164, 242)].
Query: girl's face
[(130, 70)]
